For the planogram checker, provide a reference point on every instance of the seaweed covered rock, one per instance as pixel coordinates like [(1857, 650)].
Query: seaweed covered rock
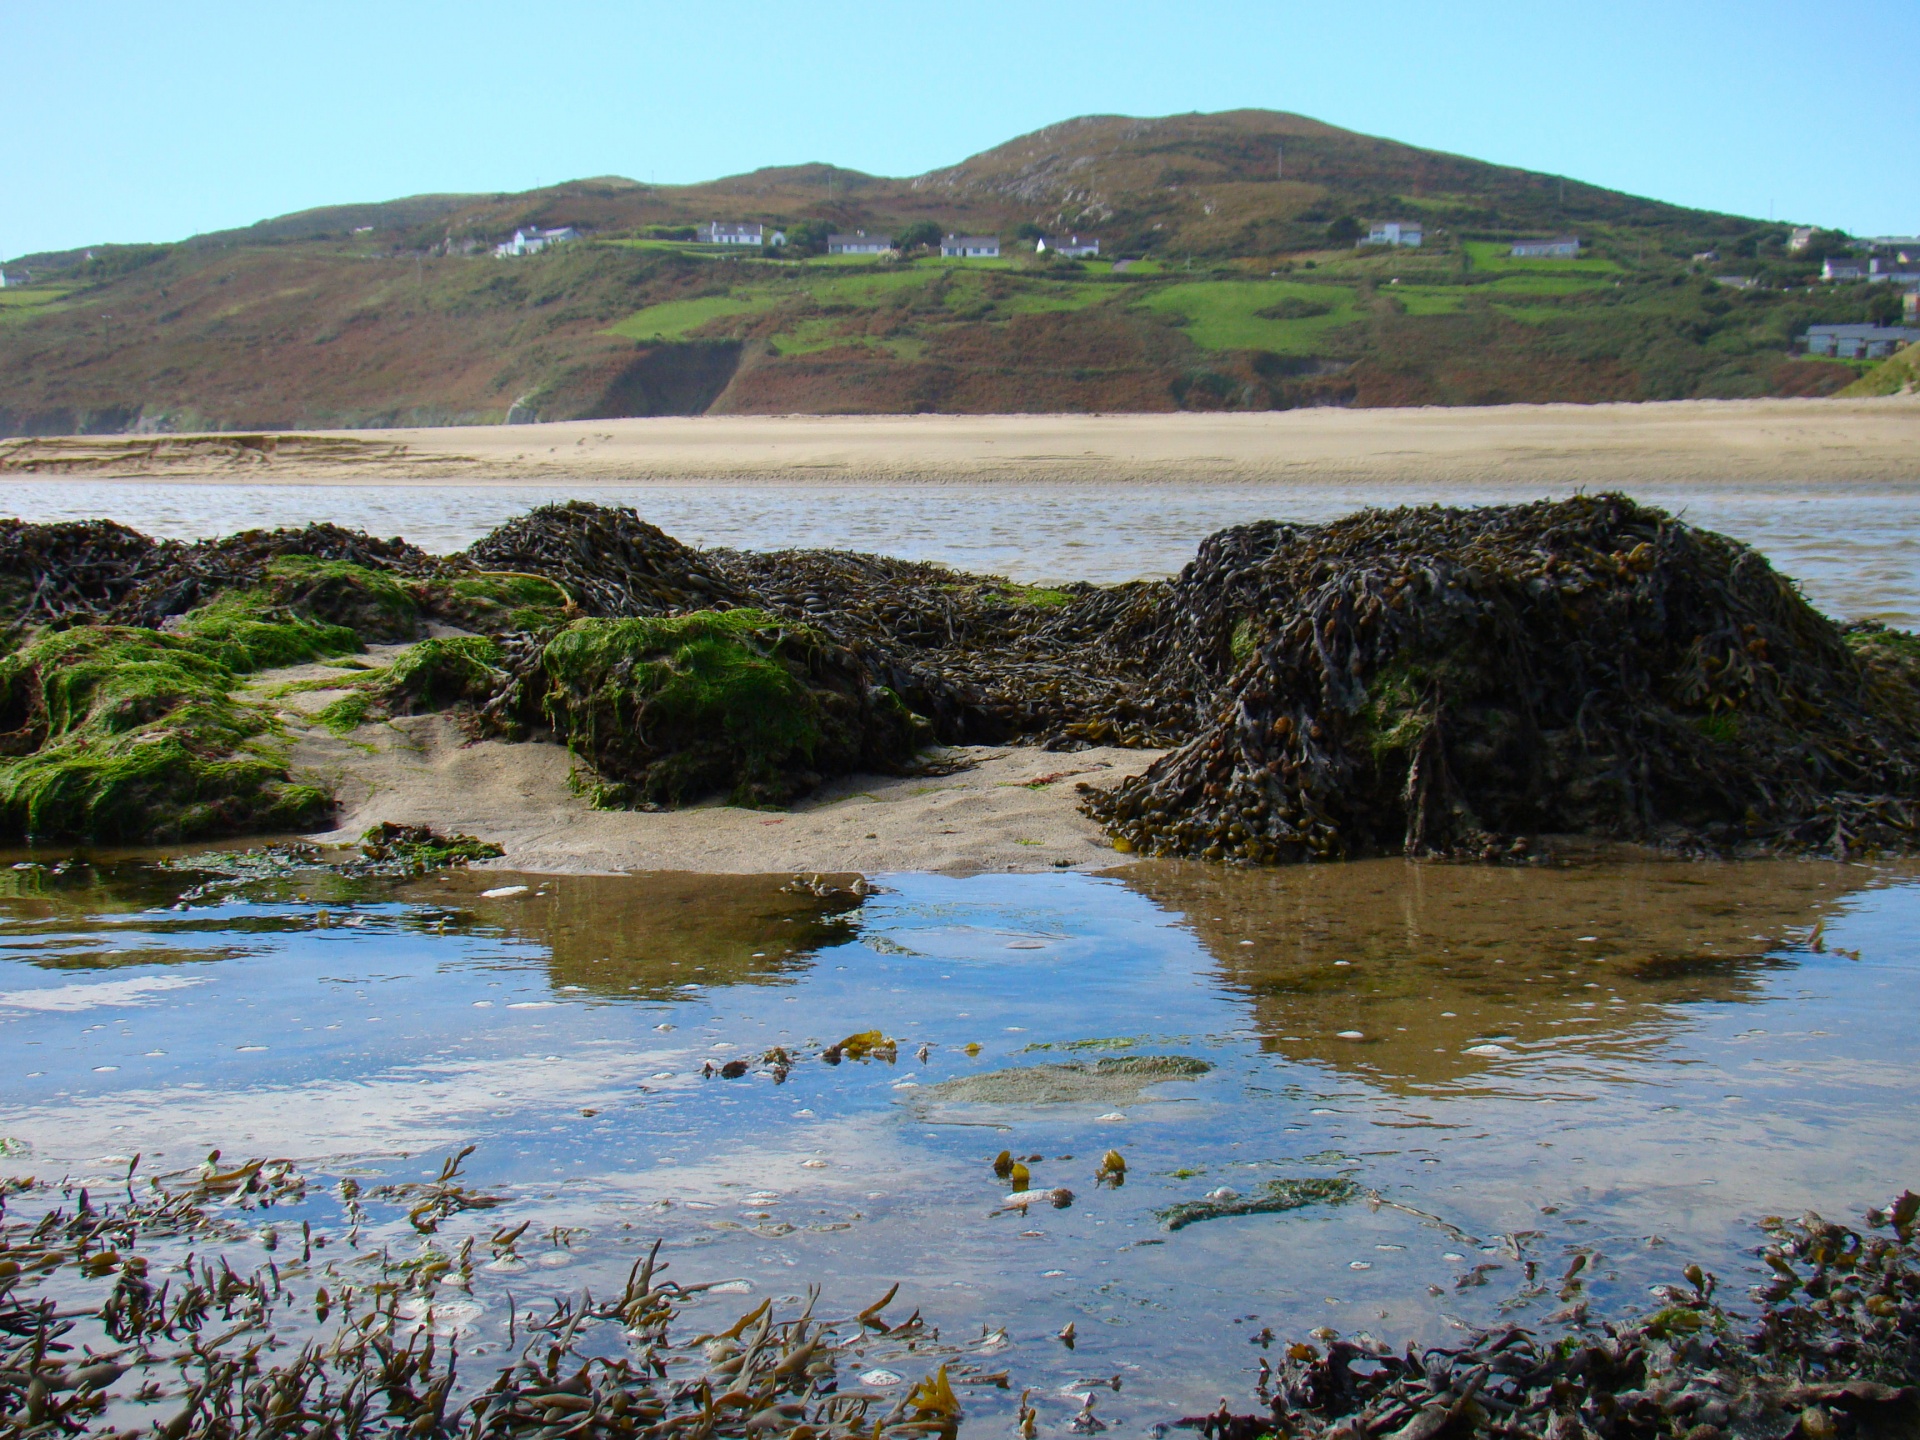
[(986, 661), (492, 602), (435, 674), (120, 733), (416, 849), (610, 561), (737, 702), (68, 568), (1453, 681), (302, 609), (182, 576), (174, 578)]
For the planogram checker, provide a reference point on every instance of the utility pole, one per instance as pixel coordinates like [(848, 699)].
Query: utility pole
[(1279, 162)]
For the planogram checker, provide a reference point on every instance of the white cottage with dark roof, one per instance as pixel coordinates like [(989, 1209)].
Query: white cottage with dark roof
[(722, 232), (859, 242)]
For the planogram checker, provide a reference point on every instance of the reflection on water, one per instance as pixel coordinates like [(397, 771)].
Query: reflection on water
[(1853, 546), (1428, 976), (1635, 1060), (617, 937)]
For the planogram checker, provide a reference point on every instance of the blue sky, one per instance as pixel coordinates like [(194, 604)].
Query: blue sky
[(154, 121)]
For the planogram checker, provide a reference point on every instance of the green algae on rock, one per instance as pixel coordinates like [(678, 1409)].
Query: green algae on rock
[(121, 733), (420, 848), (668, 709), (493, 602), (371, 603), (244, 630), (303, 609), (1450, 682), (171, 579), (438, 673)]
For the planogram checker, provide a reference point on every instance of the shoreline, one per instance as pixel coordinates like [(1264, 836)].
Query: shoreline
[(1691, 441)]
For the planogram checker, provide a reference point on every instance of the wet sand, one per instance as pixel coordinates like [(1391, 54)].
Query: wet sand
[(1703, 441), (1015, 809)]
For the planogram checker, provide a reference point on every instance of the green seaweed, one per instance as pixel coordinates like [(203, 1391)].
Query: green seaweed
[(420, 848), (438, 673), (371, 603), (668, 709), (120, 733), (245, 630), (1272, 1198), (302, 610), (495, 602), (1043, 597), (1242, 642), (347, 714)]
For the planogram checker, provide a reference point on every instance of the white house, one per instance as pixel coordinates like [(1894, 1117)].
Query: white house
[(1395, 232), (1858, 342), (1562, 247), (719, 232), (1800, 238), (532, 241), (859, 243), (1073, 247), (971, 247)]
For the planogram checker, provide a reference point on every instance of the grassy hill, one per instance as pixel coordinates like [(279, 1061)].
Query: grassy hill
[(1242, 289)]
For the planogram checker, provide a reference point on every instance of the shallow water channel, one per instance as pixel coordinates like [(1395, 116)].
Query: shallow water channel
[(1630, 1060), (1852, 546)]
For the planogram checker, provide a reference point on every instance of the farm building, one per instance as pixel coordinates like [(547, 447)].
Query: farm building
[(1858, 342), (859, 243), (1562, 247), (1396, 233)]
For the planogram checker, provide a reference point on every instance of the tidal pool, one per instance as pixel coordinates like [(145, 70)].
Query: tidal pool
[(1632, 1061)]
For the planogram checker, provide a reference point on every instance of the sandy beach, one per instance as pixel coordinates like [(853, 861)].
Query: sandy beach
[(1703, 441), (1009, 808)]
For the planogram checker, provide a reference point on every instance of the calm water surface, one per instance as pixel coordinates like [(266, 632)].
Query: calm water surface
[(1637, 1060), (1633, 1060), (1855, 548)]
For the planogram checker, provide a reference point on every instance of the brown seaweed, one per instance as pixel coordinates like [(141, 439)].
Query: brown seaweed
[(1433, 681)]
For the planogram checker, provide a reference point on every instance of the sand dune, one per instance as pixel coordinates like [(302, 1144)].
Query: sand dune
[(1739, 441)]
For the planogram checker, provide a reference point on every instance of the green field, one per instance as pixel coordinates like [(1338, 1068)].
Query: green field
[(1223, 314), (20, 302), (1427, 299), (1544, 284), (1498, 255), (971, 292), (676, 319)]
